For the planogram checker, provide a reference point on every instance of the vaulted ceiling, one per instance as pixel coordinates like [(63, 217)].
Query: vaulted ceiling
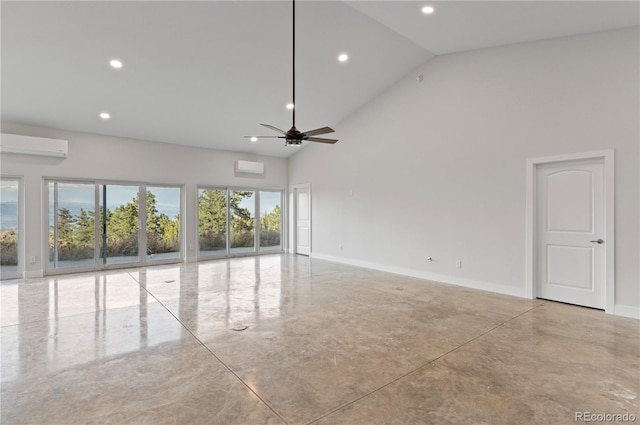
[(207, 73)]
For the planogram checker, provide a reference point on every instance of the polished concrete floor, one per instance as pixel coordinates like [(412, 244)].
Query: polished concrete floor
[(282, 339)]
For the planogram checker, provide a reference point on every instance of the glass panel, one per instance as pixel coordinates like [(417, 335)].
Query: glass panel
[(242, 221), (270, 219), (122, 223), (212, 221), (163, 223), (9, 226), (71, 225)]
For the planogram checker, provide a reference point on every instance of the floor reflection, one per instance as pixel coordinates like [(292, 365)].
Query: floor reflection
[(157, 345), (77, 319)]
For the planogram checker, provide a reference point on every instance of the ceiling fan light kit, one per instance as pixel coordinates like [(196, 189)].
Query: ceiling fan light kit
[(294, 137)]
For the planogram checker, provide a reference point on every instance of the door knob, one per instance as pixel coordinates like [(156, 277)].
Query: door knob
[(599, 241)]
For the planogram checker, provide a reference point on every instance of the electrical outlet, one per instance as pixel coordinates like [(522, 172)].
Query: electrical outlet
[(32, 259), (191, 247), (341, 247), (459, 264)]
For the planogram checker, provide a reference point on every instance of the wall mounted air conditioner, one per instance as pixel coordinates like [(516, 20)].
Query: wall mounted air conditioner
[(28, 145), (249, 167)]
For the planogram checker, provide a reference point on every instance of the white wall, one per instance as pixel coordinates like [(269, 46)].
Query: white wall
[(438, 168), (110, 158)]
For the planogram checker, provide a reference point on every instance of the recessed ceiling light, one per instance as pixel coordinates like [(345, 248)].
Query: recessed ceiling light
[(115, 63), (289, 105), (105, 115), (254, 139), (343, 57), (427, 10)]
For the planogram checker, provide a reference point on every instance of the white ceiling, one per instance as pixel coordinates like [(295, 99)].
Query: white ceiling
[(206, 73), (457, 26)]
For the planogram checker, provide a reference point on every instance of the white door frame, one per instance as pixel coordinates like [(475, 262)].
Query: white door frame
[(531, 218), (294, 216)]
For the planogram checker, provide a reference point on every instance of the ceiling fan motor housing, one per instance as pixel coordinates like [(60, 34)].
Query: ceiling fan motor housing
[(294, 137)]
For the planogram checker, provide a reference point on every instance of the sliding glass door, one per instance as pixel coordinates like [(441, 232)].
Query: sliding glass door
[(238, 222), (72, 228), (120, 237), (270, 220), (242, 221), (9, 227), (212, 222), (163, 223), (94, 225)]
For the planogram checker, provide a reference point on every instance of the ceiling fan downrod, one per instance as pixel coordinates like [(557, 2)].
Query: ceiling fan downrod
[(294, 137), (293, 63)]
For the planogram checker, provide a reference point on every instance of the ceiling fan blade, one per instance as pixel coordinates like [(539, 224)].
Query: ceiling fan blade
[(321, 140), (318, 131), (274, 128), (262, 137)]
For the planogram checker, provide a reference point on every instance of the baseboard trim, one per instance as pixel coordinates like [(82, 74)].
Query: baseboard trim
[(420, 274), (619, 309), (33, 274), (626, 311)]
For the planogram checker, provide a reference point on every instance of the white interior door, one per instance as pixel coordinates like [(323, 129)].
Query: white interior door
[(303, 221), (570, 244)]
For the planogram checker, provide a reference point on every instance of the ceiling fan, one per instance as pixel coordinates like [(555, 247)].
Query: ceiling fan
[(294, 137)]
